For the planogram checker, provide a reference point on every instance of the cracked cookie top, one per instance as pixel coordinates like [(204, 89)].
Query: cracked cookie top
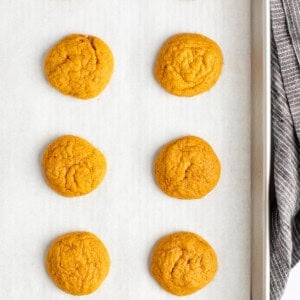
[(79, 66), (187, 168), (188, 64), (73, 166), (78, 262), (183, 263)]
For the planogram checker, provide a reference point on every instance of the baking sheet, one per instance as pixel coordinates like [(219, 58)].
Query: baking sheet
[(129, 122), (260, 148)]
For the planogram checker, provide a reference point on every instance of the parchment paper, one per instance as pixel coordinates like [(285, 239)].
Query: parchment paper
[(129, 122)]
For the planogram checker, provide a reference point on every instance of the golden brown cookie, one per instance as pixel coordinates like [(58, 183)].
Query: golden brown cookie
[(79, 65), (187, 168), (73, 166), (188, 64), (183, 263), (78, 262)]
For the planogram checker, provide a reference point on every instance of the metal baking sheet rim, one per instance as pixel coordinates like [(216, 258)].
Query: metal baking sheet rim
[(260, 149)]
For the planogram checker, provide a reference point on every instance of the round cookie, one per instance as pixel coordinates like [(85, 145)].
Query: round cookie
[(188, 64), (187, 168), (73, 166), (183, 263), (79, 66), (77, 262)]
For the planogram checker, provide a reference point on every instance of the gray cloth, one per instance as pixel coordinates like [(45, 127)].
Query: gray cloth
[(285, 215)]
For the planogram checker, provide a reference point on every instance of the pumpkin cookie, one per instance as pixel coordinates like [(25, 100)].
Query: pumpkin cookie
[(77, 262), (79, 65), (187, 168), (188, 64), (72, 166), (183, 263)]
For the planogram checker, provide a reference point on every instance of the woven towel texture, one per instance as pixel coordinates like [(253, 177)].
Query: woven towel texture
[(285, 216)]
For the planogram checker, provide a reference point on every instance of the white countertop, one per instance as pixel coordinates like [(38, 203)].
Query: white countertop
[(292, 291)]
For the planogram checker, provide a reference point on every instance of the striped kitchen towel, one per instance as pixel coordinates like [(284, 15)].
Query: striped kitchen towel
[(285, 215)]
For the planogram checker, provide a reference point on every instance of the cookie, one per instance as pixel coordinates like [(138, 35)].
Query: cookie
[(187, 168), (188, 64), (78, 262), (183, 263), (73, 166), (79, 65)]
